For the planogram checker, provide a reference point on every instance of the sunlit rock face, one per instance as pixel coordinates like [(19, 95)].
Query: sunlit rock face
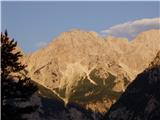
[(141, 100), (82, 67)]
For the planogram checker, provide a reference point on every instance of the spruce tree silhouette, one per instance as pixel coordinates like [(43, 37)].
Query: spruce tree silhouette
[(14, 91)]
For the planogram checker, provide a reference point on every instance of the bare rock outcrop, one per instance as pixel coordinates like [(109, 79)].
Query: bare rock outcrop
[(84, 68), (141, 100)]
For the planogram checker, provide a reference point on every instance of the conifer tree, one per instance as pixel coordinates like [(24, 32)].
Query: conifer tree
[(15, 91)]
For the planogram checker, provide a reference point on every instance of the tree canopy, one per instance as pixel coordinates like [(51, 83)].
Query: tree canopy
[(17, 88)]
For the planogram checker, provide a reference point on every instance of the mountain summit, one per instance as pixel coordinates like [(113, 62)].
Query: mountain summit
[(82, 67)]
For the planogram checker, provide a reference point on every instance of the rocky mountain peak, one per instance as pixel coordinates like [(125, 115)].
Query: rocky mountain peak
[(144, 37), (81, 66), (76, 36)]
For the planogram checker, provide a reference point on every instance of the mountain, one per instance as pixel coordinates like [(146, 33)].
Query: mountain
[(51, 107), (82, 68), (141, 100)]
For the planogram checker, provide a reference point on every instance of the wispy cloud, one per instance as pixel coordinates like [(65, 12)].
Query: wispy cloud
[(132, 28), (41, 44)]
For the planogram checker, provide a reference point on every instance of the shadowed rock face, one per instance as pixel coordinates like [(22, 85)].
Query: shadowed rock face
[(141, 100), (92, 71), (51, 107)]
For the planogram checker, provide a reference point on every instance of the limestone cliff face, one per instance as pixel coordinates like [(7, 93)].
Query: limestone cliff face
[(84, 68), (145, 47), (141, 100)]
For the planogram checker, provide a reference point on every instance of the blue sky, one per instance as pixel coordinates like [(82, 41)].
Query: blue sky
[(35, 23)]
